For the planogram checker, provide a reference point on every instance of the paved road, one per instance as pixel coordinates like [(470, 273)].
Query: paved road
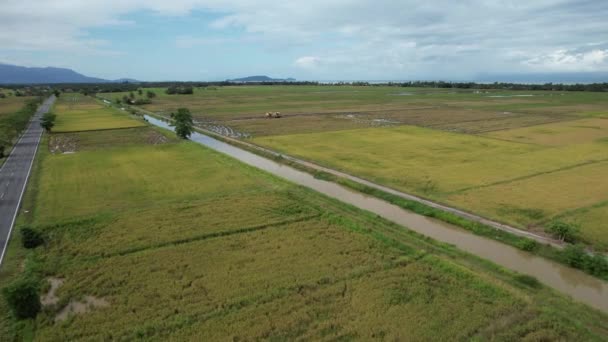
[(15, 172)]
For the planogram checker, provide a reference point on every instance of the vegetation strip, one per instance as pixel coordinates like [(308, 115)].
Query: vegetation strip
[(213, 235), (507, 181)]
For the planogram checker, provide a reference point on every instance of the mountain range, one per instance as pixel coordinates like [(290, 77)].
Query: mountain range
[(14, 74)]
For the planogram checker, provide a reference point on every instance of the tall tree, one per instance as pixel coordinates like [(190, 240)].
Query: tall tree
[(48, 121), (183, 123)]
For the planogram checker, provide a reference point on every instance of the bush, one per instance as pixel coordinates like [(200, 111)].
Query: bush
[(22, 298), (182, 90), (31, 238), (527, 245), (48, 121), (140, 102), (575, 256), (563, 230), (597, 265)]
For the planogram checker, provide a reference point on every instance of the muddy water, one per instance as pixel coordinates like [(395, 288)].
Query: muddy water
[(574, 283)]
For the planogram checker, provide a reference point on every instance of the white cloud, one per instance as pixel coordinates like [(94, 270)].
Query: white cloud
[(308, 62), (365, 37), (564, 60)]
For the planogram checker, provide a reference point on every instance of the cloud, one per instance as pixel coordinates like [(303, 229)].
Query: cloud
[(308, 62), (370, 38), (564, 60)]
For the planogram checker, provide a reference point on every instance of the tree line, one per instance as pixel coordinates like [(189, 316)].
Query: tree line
[(11, 125)]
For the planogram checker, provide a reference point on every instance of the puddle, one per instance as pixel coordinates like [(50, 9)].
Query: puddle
[(577, 284)]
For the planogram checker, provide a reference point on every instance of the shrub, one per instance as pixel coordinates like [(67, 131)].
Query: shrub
[(563, 230), (597, 265), (48, 121), (576, 256), (140, 102), (31, 238), (22, 298), (527, 245)]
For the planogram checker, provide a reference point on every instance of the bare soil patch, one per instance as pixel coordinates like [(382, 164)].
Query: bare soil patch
[(92, 140), (74, 307), (80, 307)]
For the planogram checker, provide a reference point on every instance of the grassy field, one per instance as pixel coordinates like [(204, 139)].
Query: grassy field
[(83, 113), (181, 242), (329, 108), (12, 104)]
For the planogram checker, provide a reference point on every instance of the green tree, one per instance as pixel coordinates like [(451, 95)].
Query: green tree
[(183, 123), (563, 230), (57, 92), (48, 121), (139, 91), (22, 298), (150, 94)]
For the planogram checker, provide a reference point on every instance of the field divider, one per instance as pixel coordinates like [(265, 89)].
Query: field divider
[(532, 175), (212, 235), (98, 130)]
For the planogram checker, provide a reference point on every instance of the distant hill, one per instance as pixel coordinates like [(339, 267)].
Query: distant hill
[(261, 79), (14, 74)]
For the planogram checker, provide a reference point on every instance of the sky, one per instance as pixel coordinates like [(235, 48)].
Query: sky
[(207, 40)]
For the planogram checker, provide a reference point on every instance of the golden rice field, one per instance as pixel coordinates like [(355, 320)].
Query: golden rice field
[(559, 134), (517, 176), (184, 243)]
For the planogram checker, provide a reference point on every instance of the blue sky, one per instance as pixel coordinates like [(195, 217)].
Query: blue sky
[(327, 40)]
